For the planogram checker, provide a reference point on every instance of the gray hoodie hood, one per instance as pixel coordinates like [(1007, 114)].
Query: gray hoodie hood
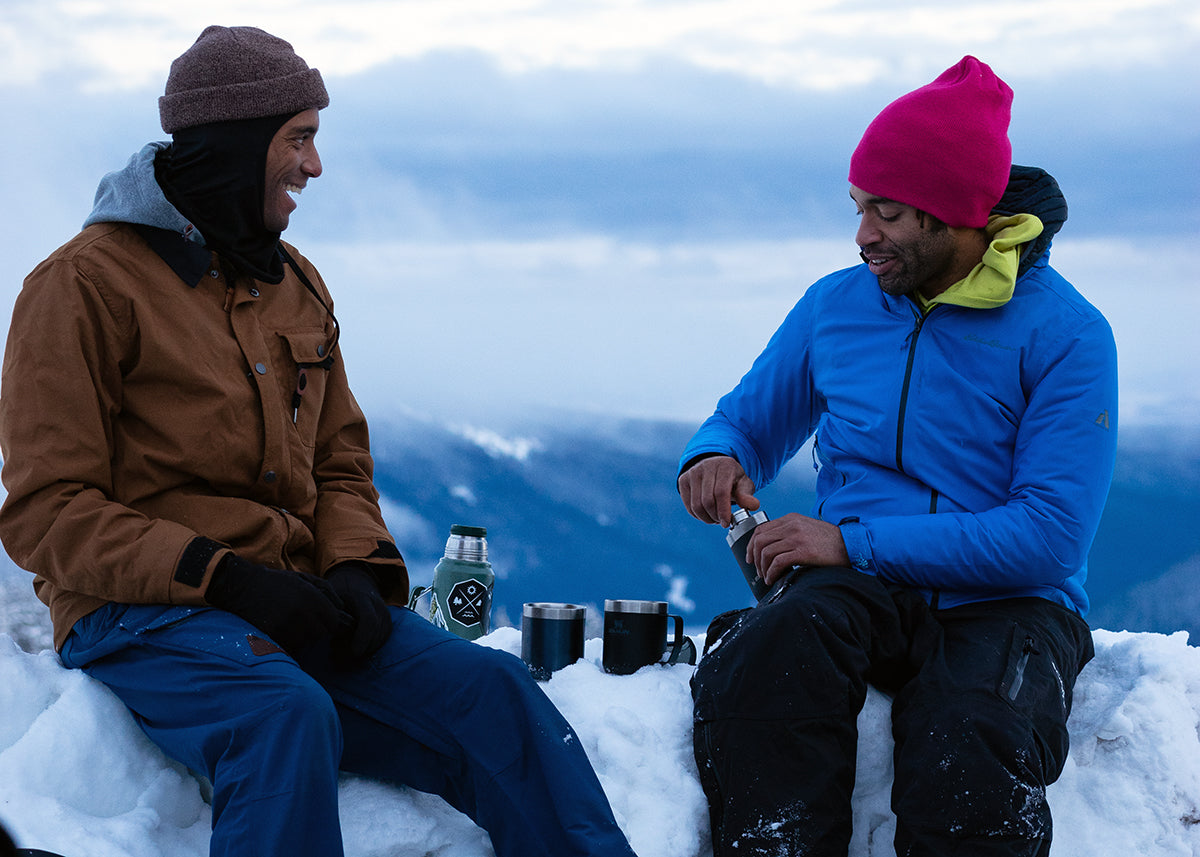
[(132, 195)]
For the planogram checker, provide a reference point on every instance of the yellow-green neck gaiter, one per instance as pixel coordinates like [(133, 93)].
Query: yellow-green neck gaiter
[(993, 280)]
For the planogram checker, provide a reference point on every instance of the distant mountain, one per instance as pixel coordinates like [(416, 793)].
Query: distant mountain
[(1144, 568), (578, 509), (581, 508)]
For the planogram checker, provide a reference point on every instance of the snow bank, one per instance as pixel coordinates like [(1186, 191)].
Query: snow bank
[(78, 777)]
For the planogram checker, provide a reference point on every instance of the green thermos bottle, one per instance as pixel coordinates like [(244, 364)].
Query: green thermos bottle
[(463, 581)]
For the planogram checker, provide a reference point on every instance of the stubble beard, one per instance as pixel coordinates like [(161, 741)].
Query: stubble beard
[(917, 263)]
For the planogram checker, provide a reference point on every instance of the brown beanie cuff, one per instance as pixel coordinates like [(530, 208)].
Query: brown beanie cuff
[(273, 97), (234, 73)]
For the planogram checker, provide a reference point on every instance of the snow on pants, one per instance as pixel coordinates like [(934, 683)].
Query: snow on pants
[(428, 710), (981, 696)]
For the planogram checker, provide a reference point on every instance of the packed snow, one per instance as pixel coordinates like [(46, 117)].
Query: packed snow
[(78, 778)]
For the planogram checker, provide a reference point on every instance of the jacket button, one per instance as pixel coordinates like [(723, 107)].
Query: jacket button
[(254, 293), (214, 273), (260, 368), (269, 477)]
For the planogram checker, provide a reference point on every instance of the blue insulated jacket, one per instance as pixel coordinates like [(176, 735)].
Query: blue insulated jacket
[(963, 452)]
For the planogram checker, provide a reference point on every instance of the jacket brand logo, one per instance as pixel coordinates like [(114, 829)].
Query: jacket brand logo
[(1102, 420), (991, 343)]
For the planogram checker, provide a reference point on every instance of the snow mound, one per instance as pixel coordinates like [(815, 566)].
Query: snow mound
[(79, 778)]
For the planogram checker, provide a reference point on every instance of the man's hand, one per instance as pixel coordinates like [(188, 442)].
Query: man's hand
[(359, 591), (711, 486), (792, 540)]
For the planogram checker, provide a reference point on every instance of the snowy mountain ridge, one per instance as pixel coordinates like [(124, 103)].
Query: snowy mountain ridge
[(580, 508)]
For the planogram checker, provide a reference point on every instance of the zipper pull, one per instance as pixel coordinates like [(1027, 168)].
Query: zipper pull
[(1029, 648), (298, 393)]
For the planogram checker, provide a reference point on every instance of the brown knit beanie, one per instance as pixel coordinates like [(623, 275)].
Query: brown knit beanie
[(238, 73)]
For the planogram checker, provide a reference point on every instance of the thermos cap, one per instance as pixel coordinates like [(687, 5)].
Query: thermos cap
[(467, 543), (742, 523)]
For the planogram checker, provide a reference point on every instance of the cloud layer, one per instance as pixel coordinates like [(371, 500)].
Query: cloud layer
[(613, 204)]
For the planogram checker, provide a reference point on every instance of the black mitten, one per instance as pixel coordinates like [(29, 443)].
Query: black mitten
[(291, 607), (358, 589)]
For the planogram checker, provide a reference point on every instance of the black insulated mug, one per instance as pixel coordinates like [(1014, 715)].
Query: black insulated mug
[(551, 636), (635, 635)]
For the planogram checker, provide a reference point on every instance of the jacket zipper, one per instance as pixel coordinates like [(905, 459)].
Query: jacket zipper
[(912, 356), (935, 595)]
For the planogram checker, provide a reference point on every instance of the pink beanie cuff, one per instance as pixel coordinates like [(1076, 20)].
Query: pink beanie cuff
[(942, 148)]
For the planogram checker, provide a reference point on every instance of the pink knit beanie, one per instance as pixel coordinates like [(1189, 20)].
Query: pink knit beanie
[(238, 73), (942, 148)]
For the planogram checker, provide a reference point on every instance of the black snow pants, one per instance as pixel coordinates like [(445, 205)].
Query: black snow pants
[(981, 695)]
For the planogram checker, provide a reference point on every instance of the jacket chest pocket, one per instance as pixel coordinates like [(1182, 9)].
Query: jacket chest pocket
[(308, 371)]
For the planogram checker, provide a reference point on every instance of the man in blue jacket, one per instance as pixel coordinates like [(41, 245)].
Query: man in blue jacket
[(961, 397)]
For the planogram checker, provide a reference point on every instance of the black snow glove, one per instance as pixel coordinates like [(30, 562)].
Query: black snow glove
[(294, 609), (358, 588)]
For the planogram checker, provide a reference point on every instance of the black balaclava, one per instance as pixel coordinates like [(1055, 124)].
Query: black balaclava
[(215, 174)]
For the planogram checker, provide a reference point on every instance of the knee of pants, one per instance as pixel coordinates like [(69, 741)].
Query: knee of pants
[(804, 658), (971, 766), (505, 679), (290, 705), (489, 683), (499, 716), (305, 703), (274, 718)]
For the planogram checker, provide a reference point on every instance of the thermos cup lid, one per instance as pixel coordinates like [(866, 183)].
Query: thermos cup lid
[(467, 543), (742, 523), (618, 606), (550, 610)]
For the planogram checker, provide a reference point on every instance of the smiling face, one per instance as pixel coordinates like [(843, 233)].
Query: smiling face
[(292, 160), (910, 250)]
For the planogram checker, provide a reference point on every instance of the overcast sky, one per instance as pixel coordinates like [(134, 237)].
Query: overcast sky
[(610, 205)]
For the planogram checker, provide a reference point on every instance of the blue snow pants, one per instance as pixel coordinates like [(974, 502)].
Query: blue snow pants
[(271, 732)]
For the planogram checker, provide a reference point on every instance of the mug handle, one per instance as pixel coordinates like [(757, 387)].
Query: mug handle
[(682, 645)]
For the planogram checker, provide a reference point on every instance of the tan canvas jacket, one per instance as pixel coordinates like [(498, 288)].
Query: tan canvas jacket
[(150, 424)]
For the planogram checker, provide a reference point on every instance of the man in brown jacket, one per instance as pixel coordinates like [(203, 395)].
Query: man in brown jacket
[(189, 478)]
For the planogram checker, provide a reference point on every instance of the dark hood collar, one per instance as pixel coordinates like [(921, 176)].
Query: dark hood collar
[(1032, 190), (215, 175)]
